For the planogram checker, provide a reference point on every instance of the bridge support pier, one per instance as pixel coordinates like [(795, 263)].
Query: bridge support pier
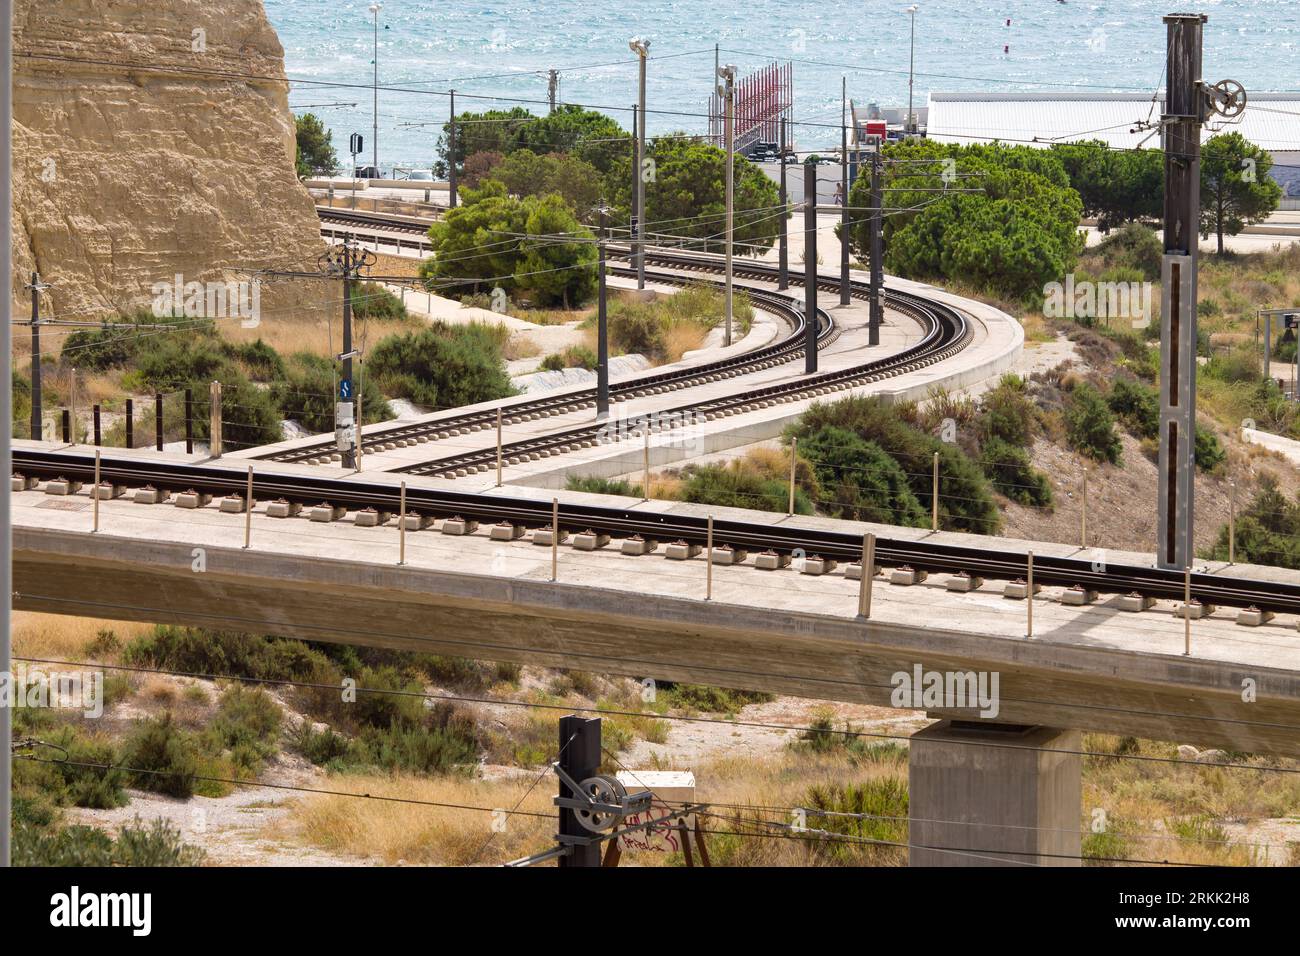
[(1002, 794)]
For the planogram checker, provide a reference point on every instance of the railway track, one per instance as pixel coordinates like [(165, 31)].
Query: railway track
[(944, 328), (787, 349), (985, 561)]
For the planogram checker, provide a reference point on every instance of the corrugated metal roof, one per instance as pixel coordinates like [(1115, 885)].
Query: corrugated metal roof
[(1271, 120)]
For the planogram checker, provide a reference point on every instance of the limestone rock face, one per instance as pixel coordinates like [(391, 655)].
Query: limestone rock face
[(153, 139)]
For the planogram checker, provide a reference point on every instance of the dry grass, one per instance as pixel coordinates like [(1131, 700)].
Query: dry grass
[(402, 832), (682, 338), (1175, 811), (56, 636)]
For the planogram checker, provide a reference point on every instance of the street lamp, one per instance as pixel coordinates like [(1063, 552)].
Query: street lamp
[(374, 8), (642, 49), (911, 62)]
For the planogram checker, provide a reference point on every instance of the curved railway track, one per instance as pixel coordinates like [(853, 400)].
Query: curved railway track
[(944, 328), (986, 561), (786, 350)]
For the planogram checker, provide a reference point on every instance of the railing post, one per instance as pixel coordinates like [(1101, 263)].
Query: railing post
[(1187, 611), (794, 449), (67, 427), (189, 421), (555, 539), (214, 426), (645, 491), (934, 505), (1232, 520), (401, 526), (248, 510), (868, 575), (95, 416), (94, 495), (1029, 596), (708, 561), (1083, 515), (130, 423), (498, 447), (158, 420)]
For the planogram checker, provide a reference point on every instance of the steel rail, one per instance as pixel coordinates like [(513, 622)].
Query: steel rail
[(786, 350), (1005, 564)]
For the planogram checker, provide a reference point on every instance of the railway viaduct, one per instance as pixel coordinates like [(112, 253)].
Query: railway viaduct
[(480, 575)]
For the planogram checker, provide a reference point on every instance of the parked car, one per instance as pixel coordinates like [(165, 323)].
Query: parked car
[(419, 175), (367, 172)]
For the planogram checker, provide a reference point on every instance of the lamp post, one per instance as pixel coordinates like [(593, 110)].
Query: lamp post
[(642, 49), (911, 63), (374, 8)]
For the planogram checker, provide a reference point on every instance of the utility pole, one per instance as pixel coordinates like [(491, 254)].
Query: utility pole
[(451, 152), (37, 288), (810, 267), (6, 388), (728, 76), (552, 88), (1185, 107), (844, 193), (877, 267), (783, 243), (580, 760), (634, 227), (642, 49), (911, 64), (346, 261), (602, 329), (374, 8)]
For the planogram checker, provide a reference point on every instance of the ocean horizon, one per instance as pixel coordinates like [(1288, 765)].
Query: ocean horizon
[(497, 55)]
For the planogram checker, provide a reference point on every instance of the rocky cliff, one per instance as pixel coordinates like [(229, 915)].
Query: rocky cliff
[(153, 139)]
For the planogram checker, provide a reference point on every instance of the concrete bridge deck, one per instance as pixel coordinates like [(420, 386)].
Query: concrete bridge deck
[(1094, 667)]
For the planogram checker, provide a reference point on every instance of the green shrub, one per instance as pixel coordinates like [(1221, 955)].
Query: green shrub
[(875, 810), (1267, 532), (1209, 453), (443, 366), (247, 724), (1011, 472), (965, 499), (575, 356), (736, 486), (1007, 413), (164, 755), (158, 844), (602, 486), (1090, 426), (370, 300), (308, 390), (1137, 406), (634, 327), (260, 361), (858, 480), (194, 650), (713, 700)]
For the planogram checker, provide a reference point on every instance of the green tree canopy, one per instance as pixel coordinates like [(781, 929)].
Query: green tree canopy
[(526, 173), (586, 134), (1115, 185), (1018, 233), (534, 246), (687, 196), (1236, 189), (315, 152)]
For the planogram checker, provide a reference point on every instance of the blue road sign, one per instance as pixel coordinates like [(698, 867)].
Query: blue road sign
[(345, 388)]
